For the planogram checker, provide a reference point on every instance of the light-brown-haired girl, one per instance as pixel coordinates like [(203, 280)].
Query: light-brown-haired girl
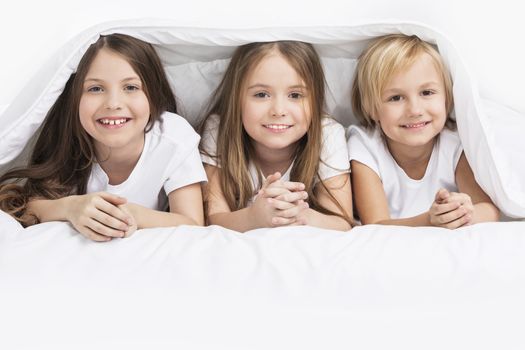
[(272, 157)]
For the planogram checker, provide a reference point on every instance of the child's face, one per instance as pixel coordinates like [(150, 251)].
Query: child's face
[(113, 109), (275, 105), (413, 109)]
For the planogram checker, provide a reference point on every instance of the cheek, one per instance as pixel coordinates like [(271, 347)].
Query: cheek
[(85, 110), (387, 114)]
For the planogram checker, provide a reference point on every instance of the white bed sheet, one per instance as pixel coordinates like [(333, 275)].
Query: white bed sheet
[(201, 288)]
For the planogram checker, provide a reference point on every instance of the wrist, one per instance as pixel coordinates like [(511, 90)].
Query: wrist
[(66, 204)]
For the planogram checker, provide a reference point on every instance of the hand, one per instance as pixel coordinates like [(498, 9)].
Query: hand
[(451, 210), (98, 217), (279, 202), (277, 187)]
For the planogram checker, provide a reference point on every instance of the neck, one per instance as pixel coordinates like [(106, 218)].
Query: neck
[(271, 161), (118, 163), (412, 159)]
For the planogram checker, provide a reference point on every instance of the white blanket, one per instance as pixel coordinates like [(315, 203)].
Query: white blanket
[(371, 288), (285, 288)]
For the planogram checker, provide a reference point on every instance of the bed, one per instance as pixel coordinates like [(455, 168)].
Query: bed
[(302, 287)]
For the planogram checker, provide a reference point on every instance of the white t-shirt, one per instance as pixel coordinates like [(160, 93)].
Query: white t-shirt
[(334, 155), (170, 160), (407, 197)]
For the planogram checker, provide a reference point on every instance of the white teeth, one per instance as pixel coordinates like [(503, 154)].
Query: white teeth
[(277, 126), (412, 126), (113, 121)]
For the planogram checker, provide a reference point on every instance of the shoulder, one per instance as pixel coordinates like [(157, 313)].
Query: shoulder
[(366, 136), (173, 128), (366, 146), (450, 145), (330, 126), (449, 137)]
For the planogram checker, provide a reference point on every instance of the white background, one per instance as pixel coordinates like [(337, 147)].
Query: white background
[(488, 35)]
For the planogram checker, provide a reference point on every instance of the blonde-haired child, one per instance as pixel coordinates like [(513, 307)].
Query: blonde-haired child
[(407, 162), (272, 157)]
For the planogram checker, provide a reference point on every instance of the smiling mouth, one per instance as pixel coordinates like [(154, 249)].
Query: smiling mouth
[(415, 125), (277, 127), (113, 121)]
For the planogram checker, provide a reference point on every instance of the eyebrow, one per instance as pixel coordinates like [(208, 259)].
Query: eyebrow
[(102, 80), (427, 84), (264, 86)]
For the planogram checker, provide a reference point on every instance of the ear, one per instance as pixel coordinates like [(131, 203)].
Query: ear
[(374, 119)]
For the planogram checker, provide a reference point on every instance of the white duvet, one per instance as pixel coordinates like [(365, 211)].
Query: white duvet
[(371, 288)]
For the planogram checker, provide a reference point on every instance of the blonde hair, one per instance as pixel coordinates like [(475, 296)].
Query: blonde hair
[(234, 146), (385, 57)]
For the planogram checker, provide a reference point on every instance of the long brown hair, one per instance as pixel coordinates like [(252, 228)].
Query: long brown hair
[(61, 160), (234, 145)]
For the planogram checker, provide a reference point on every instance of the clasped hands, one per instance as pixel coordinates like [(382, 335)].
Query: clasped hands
[(101, 216), (280, 203), (451, 210)]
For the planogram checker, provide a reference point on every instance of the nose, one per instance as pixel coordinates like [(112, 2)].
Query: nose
[(113, 100), (414, 108), (278, 107)]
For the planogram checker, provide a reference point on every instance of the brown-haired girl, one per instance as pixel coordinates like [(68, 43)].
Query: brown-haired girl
[(110, 156), (272, 157)]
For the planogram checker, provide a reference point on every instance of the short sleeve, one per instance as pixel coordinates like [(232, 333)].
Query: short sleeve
[(451, 145), (334, 153), (185, 166), (363, 147), (209, 140), (186, 172)]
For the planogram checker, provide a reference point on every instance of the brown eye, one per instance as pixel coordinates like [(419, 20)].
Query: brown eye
[(95, 89), (131, 88), (394, 98), (261, 95)]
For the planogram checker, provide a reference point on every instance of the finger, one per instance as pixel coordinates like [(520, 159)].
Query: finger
[(462, 221), (442, 195), (441, 209), (451, 216), (272, 192), (293, 196), (280, 221), (280, 205), (113, 198), (114, 212), (294, 211), (90, 234), (129, 232), (293, 186), (110, 221), (271, 179), (101, 229)]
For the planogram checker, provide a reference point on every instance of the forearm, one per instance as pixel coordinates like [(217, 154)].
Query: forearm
[(240, 220), (331, 222), (418, 220), (484, 212), (149, 218), (49, 209)]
